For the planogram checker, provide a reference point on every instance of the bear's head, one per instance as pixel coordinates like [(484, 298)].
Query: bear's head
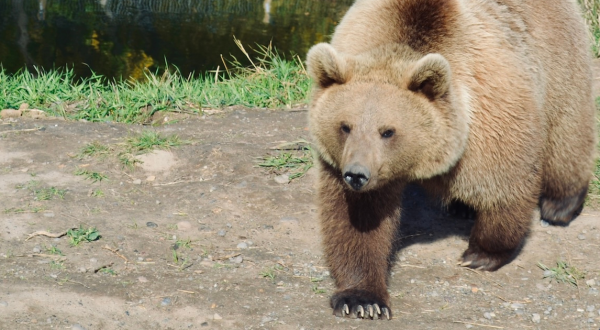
[(388, 114)]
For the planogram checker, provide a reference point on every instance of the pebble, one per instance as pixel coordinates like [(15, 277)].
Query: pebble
[(217, 317), (165, 302), (591, 282), (10, 113), (544, 223), (82, 269), (151, 224), (516, 306), (535, 318), (137, 181), (221, 232), (37, 249), (77, 327), (581, 237), (142, 279), (242, 245), (487, 315), (184, 225), (49, 214), (93, 260), (590, 308), (237, 260), (289, 220), (281, 179), (151, 178), (3, 304)]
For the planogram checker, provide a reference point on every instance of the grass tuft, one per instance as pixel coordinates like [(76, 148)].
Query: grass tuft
[(80, 235), (295, 163), (562, 273)]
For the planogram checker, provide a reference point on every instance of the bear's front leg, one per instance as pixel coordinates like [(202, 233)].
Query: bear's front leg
[(358, 234), (497, 234)]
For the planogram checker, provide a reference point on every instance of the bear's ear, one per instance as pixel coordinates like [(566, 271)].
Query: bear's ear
[(326, 66), (431, 76)]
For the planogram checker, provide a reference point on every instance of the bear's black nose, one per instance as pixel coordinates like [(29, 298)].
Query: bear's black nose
[(356, 176)]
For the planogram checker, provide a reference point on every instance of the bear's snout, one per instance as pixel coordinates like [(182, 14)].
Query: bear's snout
[(356, 176)]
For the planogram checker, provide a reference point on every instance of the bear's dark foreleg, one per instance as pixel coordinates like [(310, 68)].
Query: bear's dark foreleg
[(497, 234), (358, 233)]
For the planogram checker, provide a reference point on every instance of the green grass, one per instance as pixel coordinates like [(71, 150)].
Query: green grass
[(80, 235), (45, 194), (90, 175), (296, 164), (562, 273), (271, 82), (126, 151), (148, 140), (591, 13)]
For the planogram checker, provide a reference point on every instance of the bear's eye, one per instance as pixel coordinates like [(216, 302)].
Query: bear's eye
[(388, 133), (345, 128)]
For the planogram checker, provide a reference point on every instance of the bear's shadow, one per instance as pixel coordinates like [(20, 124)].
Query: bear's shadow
[(424, 220)]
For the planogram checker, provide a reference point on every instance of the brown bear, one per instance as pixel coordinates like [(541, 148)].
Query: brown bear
[(483, 102)]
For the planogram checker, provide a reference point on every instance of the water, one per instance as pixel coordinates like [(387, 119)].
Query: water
[(122, 38)]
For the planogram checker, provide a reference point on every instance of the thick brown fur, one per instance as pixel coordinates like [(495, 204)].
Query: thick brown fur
[(483, 102)]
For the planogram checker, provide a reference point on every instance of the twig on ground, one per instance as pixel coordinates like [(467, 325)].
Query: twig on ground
[(45, 233), (106, 247), (479, 325)]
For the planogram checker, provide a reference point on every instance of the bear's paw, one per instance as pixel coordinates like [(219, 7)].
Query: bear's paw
[(360, 304)]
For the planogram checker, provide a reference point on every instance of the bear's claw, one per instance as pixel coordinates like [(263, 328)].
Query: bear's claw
[(372, 312), (358, 306)]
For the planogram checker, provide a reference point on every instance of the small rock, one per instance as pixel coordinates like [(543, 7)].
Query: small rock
[(581, 237), (77, 327), (222, 232), (37, 249), (204, 324), (237, 260), (151, 224), (137, 181), (165, 302), (590, 308), (93, 260), (487, 315), (516, 306), (290, 220), (37, 114), (544, 223), (184, 225), (217, 317), (142, 279), (535, 318), (281, 179), (151, 178), (591, 282), (49, 214), (548, 273), (3, 304), (242, 246), (10, 113), (82, 269)]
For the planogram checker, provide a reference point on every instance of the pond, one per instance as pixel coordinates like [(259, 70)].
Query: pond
[(122, 38)]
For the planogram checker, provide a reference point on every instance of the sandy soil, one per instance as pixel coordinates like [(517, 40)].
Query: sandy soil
[(254, 259)]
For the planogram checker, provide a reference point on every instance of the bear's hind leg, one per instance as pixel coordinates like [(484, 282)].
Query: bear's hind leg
[(561, 210), (497, 235)]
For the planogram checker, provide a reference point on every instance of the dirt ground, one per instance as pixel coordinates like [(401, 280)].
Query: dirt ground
[(198, 236)]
